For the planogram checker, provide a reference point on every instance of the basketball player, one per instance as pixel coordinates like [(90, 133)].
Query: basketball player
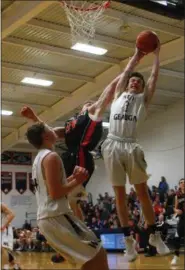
[(82, 133), (123, 155), (62, 230), (7, 238), (179, 211)]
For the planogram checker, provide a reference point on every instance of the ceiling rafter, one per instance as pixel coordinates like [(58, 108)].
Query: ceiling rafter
[(132, 19), (19, 13), (170, 93), (60, 51), (17, 104), (171, 73), (65, 29), (47, 72), (31, 89)]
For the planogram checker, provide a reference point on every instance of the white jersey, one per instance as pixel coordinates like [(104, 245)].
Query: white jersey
[(126, 112), (47, 207)]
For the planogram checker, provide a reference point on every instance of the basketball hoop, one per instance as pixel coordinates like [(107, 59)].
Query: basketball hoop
[(83, 17)]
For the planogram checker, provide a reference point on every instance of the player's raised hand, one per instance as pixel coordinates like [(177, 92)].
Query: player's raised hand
[(157, 50), (28, 113), (80, 174), (138, 55)]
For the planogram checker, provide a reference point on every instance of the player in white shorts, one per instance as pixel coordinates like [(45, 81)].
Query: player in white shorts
[(64, 232), (7, 238), (122, 153)]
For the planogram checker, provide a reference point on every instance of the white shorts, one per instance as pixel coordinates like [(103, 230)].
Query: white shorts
[(124, 158), (7, 238), (71, 238)]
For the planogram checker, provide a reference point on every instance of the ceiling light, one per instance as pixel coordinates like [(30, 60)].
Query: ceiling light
[(89, 49), (106, 124), (4, 112), (36, 81)]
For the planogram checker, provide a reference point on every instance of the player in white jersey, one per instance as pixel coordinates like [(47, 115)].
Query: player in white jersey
[(7, 238), (122, 153), (64, 232)]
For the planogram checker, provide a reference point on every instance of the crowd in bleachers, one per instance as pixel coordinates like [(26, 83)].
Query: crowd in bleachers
[(103, 215)]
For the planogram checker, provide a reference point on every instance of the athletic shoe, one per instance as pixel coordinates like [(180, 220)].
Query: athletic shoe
[(131, 253), (156, 241), (16, 267), (175, 260), (57, 259)]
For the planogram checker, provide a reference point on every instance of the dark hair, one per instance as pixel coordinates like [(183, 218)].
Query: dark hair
[(138, 75), (163, 178), (34, 134), (181, 180)]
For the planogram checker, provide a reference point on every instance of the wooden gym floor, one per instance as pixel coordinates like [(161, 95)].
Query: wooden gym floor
[(116, 261)]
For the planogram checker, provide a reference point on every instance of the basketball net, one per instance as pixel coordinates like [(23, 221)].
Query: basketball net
[(83, 17)]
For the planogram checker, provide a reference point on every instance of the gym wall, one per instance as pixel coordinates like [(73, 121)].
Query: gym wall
[(20, 201)]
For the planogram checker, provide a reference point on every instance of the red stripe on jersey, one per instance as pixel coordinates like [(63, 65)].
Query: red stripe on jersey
[(85, 141), (89, 133)]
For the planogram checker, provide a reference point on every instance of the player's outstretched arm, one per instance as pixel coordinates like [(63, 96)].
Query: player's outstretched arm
[(97, 109), (29, 114), (114, 89), (151, 83), (9, 216), (121, 85), (52, 170)]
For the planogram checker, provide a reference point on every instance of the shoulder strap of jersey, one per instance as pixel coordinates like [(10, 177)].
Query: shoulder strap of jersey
[(38, 159)]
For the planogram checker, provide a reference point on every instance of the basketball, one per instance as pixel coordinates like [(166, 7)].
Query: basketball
[(147, 41)]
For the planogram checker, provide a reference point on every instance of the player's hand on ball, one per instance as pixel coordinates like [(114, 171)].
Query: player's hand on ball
[(139, 54), (27, 112), (80, 174)]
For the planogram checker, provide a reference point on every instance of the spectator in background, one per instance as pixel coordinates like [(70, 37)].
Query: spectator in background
[(158, 208), (163, 189), (42, 240), (136, 214), (170, 199), (179, 210), (26, 226), (115, 224)]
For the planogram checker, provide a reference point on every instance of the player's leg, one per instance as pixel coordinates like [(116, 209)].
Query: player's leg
[(177, 241), (121, 206), (12, 261), (4, 258), (73, 240), (146, 203), (138, 177), (113, 155)]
